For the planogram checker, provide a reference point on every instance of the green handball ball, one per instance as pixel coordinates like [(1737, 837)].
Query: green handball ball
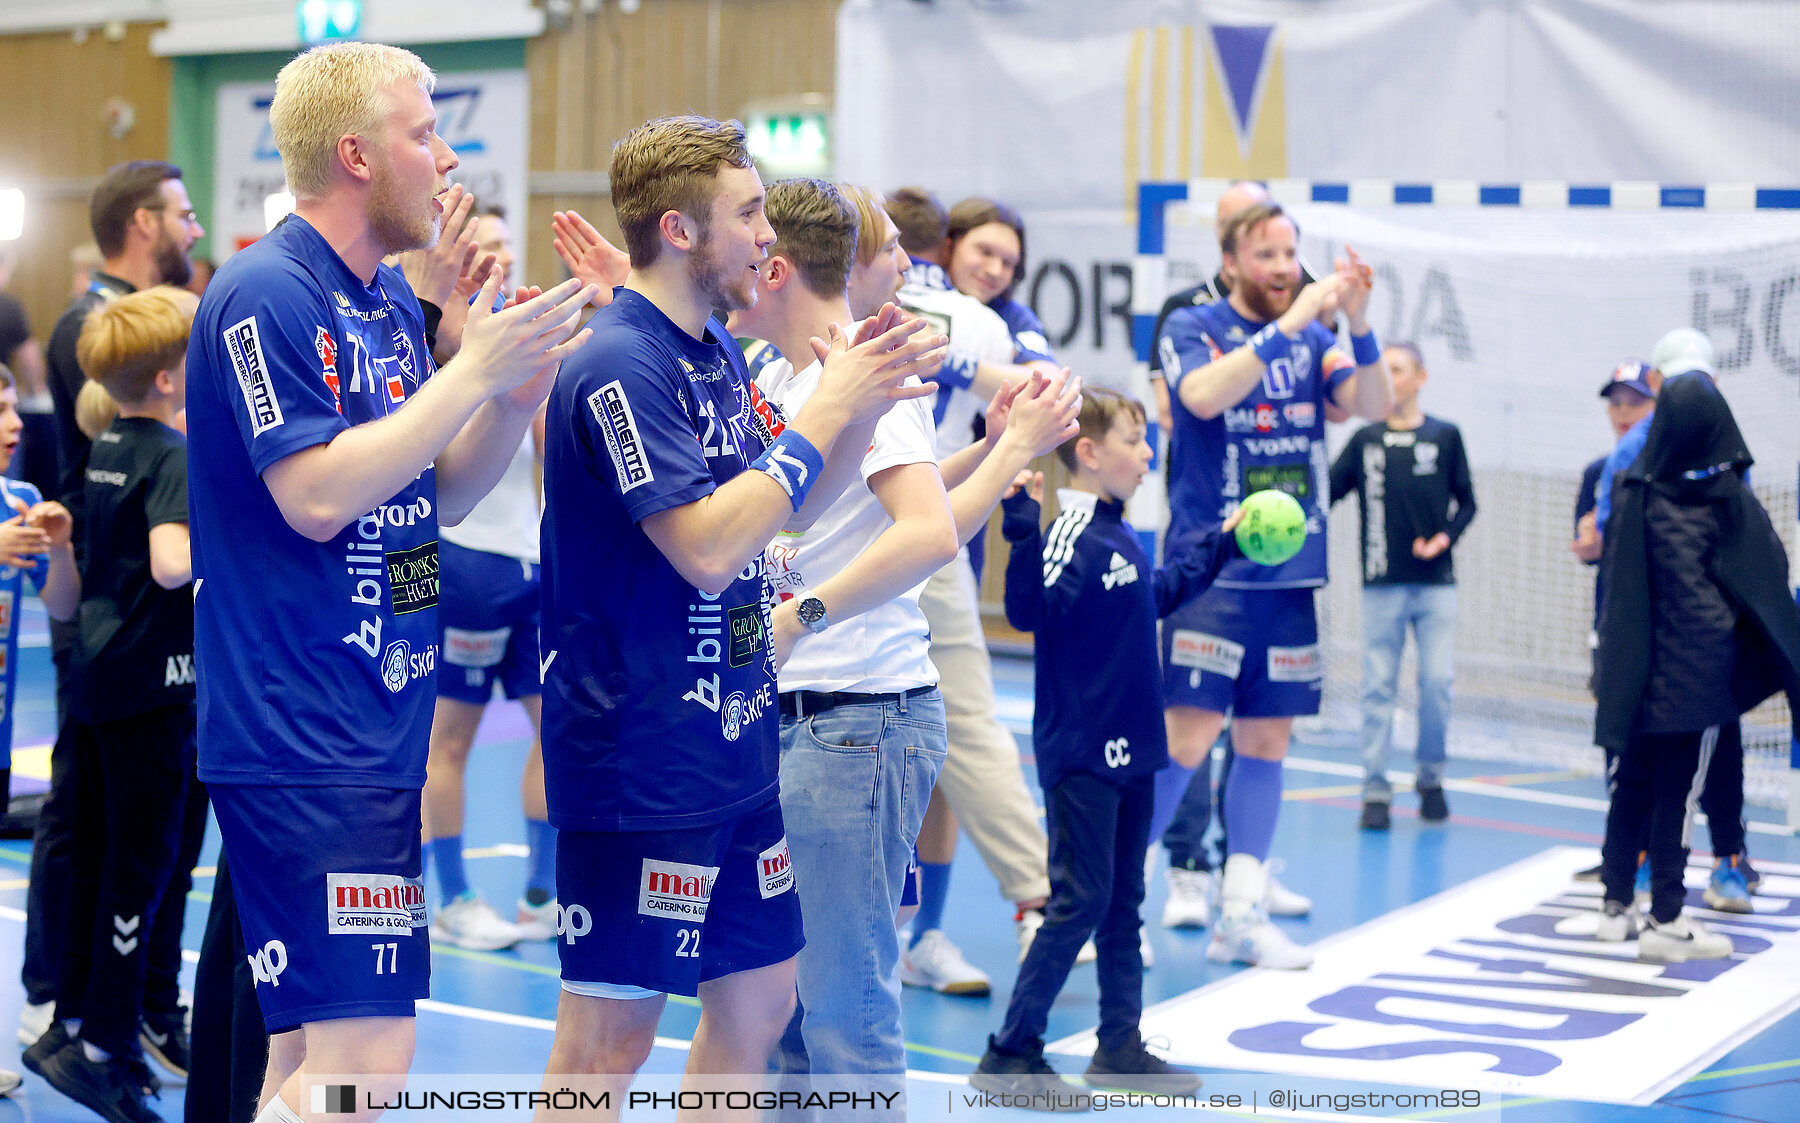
[(1274, 527)]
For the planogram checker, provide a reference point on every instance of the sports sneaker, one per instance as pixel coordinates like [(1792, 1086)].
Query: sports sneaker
[(106, 1088), (537, 922), (472, 924), (1617, 922), (165, 1041), (1026, 923), (1752, 879), (9, 1080), (1640, 887), (1279, 900), (1432, 806), (51, 1041), (1255, 940), (1726, 890), (1592, 873), (34, 1019), (1190, 899), (1375, 817), (1680, 940), (936, 963), (1136, 1069), (1026, 1076)]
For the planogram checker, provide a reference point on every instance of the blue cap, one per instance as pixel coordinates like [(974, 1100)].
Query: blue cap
[(1632, 374)]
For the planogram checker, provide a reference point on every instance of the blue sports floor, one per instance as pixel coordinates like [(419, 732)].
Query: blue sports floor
[(492, 1012)]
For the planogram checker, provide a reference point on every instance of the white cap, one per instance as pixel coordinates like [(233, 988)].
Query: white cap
[(1683, 350)]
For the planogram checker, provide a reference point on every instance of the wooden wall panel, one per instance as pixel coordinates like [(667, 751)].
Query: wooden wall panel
[(606, 73), (54, 143)]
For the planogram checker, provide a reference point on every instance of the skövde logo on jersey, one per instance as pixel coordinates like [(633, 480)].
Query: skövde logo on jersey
[(358, 903), (677, 890), (268, 962)]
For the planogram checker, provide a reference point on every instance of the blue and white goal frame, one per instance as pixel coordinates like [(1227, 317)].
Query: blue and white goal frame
[(1150, 275)]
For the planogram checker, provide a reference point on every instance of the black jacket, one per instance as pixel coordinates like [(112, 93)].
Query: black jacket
[(1699, 624)]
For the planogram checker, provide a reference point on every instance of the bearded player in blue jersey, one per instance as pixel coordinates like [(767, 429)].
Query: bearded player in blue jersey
[(325, 451), (1250, 377), (666, 475)]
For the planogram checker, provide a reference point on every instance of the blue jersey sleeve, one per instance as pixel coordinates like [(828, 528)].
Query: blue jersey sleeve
[(1336, 367), (637, 430), (1030, 344), (1186, 346), (267, 335)]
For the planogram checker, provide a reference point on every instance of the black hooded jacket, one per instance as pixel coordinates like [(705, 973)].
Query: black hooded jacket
[(1699, 624)]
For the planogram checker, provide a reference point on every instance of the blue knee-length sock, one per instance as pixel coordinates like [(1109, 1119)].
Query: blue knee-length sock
[(1252, 801), (1171, 785), (447, 856), (934, 891), (540, 881)]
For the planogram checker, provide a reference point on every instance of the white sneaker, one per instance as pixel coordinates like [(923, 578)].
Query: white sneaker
[(536, 922), (938, 964), (34, 1020), (472, 924), (1617, 922), (1280, 900), (1026, 926), (1680, 940), (1190, 899), (1254, 939)]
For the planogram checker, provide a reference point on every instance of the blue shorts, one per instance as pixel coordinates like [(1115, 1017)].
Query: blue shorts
[(1249, 653), (487, 625), (669, 910), (331, 899)]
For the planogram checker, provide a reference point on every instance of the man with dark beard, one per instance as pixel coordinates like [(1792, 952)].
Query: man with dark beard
[(1250, 377), (145, 227), (326, 450)]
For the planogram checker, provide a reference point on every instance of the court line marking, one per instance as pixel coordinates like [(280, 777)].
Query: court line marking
[(1496, 791)]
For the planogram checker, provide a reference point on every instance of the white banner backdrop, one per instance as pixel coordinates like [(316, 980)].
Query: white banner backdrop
[(1500, 985), (482, 115), (1069, 103)]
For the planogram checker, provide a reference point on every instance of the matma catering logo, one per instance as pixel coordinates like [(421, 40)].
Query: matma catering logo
[(677, 890)]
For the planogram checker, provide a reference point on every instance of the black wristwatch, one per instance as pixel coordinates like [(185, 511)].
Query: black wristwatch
[(812, 613)]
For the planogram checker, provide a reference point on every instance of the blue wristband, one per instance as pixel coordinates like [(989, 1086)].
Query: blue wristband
[(1364, 348), (1271, 344), (793, 462)]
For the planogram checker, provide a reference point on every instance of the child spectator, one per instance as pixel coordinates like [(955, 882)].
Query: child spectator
[(132, 722), (1090, 594)]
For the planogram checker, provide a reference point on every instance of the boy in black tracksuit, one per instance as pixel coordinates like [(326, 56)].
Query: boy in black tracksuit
[(132, 727), (1088, 590), (1698, 626)]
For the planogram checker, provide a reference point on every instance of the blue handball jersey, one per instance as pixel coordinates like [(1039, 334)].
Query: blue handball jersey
[(659, 699), (1273, 438), (12, 585), (316, 660)]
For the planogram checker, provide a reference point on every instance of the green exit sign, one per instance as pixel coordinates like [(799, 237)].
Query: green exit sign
[(791, 142), (322, 21)]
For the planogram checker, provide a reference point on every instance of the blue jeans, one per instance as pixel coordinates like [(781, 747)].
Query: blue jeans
[(1387, 611), (854, 784)]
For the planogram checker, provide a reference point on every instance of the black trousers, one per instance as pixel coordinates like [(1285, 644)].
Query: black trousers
[(1098, 834), (133, 777), (52, 845), (1722, 796), (1655, 786), (230, 1046), (1185, 838)]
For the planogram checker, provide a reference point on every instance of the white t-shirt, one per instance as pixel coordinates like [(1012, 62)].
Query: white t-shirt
[(886, 649), (505, 522), (974, 330)]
